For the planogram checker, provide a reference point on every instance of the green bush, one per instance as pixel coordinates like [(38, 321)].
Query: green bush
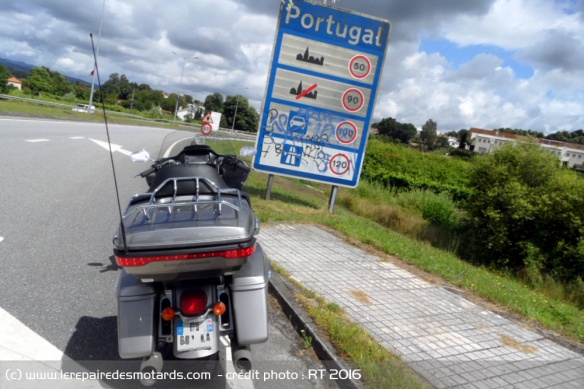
[(528, 213), (438, 208)]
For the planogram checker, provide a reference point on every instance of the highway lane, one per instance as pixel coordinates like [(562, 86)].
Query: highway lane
[(58, 213)]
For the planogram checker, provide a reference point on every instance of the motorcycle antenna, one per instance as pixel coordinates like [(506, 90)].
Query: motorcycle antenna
[(110, 146)]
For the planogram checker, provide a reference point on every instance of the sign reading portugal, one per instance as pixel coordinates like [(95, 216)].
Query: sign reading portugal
[(321, 92)]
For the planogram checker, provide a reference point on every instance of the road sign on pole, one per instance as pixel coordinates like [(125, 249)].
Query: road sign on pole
[(321, 91), (210, 122)]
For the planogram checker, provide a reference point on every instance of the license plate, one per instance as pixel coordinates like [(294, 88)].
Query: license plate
[(194, 335)]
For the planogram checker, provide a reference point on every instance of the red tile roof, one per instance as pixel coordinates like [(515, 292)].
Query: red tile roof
[(15, 80)]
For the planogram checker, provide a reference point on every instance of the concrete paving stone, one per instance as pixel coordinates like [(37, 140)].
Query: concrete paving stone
[(513, 378), (418, 319), (446, 382), (573, 385)]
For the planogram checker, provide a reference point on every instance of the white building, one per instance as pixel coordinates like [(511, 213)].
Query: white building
[(486, 141), (15, 82), (191, 109)]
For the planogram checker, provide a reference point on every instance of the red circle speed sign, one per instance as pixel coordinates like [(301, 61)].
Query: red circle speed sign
[(346, 132), (360, 66), (206, 128), (340, 164), (353, 100)]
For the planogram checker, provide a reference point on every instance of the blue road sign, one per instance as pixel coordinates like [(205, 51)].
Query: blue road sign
[(321, 91)]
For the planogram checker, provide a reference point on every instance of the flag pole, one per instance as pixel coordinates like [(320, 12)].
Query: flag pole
[(96, 54)]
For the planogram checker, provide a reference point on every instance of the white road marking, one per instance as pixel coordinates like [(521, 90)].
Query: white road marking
[(233, 381), (1, 239), (37, 140), (18, 343), (114, 147), (77, 137)]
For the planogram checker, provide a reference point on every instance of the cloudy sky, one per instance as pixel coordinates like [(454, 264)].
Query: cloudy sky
[(479, 63)]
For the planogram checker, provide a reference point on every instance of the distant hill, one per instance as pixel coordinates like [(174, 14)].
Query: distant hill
[(21, 70)]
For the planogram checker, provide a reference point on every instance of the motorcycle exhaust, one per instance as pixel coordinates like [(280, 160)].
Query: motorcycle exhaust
[(241, 357), (151, 365)]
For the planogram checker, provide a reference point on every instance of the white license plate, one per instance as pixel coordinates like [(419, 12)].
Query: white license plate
[(194, 335)]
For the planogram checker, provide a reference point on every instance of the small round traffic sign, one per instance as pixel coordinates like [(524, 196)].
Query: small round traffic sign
[(206, 128), (353, 100), (346, 132), (339, 164), (360, 66)]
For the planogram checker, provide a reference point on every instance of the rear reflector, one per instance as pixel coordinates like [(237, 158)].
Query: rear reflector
[(193, 302), (141, 261)]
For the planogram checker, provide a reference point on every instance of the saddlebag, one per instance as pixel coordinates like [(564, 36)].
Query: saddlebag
[(250, 301), (135, 317)]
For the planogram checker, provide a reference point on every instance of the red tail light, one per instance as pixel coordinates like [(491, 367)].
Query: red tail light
[(193, 302), (141, 261)]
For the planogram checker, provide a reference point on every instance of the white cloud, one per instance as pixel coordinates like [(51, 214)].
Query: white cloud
[(234, 44)]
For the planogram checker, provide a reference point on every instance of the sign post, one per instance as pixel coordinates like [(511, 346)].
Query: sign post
[(320, 96)]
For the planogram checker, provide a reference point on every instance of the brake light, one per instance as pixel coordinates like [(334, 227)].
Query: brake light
[(193, 302), (141, 261)]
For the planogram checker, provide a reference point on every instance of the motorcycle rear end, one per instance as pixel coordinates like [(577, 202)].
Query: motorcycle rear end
[(192, 271)]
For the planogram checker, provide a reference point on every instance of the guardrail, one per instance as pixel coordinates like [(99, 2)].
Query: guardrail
[(8, 97)]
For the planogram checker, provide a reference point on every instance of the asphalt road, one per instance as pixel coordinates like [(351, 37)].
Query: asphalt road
[(58, 212)]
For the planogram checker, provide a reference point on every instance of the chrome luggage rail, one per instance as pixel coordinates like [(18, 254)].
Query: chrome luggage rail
[(216, 194)]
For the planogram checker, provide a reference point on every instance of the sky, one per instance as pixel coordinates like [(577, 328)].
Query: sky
[(481, 63)]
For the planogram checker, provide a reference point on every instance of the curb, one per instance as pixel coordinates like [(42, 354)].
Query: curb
[(282, 289)]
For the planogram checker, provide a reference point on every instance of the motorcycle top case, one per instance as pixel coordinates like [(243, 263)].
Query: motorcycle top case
[(183, 237)]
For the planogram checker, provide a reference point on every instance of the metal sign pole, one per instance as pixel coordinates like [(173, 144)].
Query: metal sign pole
[(333, 198), (270, 183)]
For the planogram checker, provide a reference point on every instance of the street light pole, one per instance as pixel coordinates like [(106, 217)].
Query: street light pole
[(185, 59), (235, 113), (96, 54)]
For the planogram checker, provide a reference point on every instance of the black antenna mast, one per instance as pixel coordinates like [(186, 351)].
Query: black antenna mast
[(122, 231)]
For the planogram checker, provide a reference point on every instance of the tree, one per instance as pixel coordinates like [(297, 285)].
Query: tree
[(169, 104), (462, 138), (4, 76), (527, 212), (61, 86), (429, 134), (246, 119), (214, 102), (111, 88), (396, 130), (40, 80)]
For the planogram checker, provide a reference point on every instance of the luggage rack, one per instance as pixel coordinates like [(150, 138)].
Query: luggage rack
[(216, 192)]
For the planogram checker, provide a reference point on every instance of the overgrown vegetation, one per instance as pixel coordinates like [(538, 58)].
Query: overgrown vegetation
[(528, 216), (404, 168)]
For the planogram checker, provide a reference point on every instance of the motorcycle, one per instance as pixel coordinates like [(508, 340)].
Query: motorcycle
[(191, 268)]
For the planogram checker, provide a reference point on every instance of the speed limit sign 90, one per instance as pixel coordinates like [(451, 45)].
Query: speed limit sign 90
[(353, 100)]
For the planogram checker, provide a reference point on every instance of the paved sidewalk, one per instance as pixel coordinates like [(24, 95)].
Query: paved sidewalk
[(444, 337)]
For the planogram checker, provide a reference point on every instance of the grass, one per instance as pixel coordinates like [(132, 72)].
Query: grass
[(39, 110)]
